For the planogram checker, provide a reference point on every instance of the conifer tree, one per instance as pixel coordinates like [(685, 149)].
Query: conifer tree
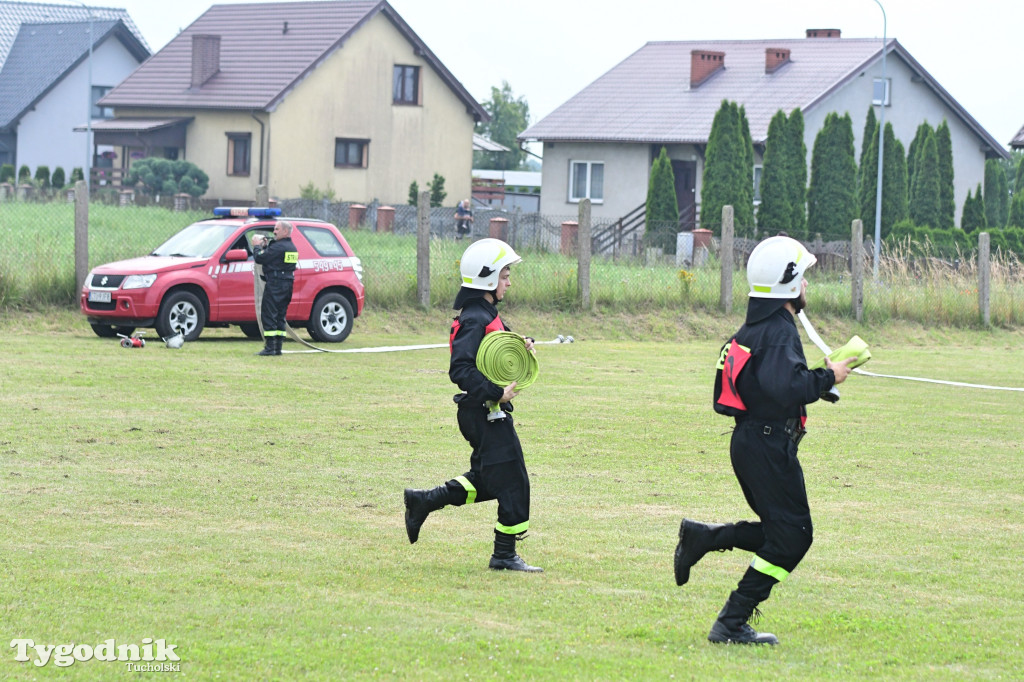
[(662, 213), (796, 173), (1016, 218), (924, 197), (775, 213), (973, 217), (832, 197), (912, 153), (867, 175), (947, 203), (726, 180), (870, 131), (1019, 184), (894, 182), (996, 194)]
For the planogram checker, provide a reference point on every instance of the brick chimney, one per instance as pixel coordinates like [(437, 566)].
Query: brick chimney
[(823, 33), (704, 64), (775, 58), (205, 58)]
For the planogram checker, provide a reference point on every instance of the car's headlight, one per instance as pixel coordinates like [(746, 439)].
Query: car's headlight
[(138, 281)]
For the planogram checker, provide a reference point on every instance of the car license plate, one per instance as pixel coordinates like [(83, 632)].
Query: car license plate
[(99, 297)]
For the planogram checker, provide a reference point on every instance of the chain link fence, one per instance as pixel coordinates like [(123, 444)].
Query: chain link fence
[(623, 273)]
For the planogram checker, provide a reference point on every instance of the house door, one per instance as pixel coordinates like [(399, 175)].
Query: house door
[(686, 193)]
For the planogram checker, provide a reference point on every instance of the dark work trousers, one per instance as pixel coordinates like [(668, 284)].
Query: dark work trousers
[(276, 297), (766, 465), (497, 469)]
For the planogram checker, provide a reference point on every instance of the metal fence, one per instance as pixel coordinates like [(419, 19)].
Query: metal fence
[(619, 272)]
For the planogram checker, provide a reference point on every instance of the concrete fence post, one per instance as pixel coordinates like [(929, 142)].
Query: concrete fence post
[(81, 233), (262, 195), (583, 242), (857, 269), (423, 250), (984, 278), (725, 251)]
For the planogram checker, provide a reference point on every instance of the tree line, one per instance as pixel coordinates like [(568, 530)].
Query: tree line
[(917, 183)]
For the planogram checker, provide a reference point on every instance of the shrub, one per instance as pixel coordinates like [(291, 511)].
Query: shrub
[(437, 193), (7, 173), (414, 193), (314, 193), (24, 175), (57, 179), (43, 176), (163, 176), (76, 175)]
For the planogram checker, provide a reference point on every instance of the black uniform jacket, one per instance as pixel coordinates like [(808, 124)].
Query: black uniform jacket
[(279, 258), (775, 384), (477, 318)]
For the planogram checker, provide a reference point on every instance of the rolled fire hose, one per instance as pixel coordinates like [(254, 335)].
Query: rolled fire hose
[(503, 358)]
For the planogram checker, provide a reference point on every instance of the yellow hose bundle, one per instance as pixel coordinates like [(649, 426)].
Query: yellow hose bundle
[(503, 358)]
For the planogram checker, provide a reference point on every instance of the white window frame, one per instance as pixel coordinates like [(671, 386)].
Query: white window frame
[(888, 92), (572, 179)]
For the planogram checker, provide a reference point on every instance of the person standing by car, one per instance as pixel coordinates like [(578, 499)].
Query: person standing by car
[(279, 258), (762, 380), (497, 469), (463, 218)]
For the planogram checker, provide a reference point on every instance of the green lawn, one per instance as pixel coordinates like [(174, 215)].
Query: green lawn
[(248, 510)]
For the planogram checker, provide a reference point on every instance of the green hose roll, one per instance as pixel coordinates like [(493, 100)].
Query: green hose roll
[(503, 358)]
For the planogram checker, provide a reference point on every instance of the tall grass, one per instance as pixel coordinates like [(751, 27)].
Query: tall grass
[(914, 284)]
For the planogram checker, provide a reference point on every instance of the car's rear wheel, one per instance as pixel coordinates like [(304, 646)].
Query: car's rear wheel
[(181, 313), (251, 330), (109, 331), (331, 319)]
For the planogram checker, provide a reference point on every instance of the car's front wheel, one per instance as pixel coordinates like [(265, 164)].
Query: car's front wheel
[(181, 313), (331, 319), (109, 331), (251, 330)]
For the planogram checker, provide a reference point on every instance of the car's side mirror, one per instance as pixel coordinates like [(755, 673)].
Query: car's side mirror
[(235, 255)]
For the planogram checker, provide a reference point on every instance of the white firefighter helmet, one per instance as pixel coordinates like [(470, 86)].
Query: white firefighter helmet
[(175, 341), (482, 262), (776, 268)]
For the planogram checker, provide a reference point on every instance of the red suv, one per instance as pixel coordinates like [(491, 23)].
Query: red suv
[(203, 277)]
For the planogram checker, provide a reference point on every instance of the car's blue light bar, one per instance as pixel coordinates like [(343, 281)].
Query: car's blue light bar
[(245, 212)]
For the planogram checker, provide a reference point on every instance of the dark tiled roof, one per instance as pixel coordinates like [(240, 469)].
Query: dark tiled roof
[(1018, 140), (43, 53), (647, 97), (14, 14), (259, 62)]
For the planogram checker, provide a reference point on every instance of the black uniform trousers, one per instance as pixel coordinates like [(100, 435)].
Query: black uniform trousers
[(276, 296), (497, 469), (765, 461)]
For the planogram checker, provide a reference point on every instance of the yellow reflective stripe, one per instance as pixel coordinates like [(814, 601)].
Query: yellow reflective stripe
[(270, 332), (512, 530), (291, 256), (768, 568), (470, 490), (467, 280), (762, 289), (501, 254)]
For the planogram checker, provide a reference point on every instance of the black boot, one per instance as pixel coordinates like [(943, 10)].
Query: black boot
[(731, 626), (268, 346), (418, 504), (278, 340), (505, 557), (695, 540)]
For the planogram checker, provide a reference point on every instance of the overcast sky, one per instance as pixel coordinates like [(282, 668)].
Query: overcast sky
[(548, 50)]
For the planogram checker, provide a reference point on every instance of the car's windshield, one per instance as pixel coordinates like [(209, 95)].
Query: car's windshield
[(198, 240)]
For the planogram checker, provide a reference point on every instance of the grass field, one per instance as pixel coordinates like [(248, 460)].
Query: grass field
[(248, 510)]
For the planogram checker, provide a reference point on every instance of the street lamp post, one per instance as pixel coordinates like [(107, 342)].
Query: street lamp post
[(881, 148)]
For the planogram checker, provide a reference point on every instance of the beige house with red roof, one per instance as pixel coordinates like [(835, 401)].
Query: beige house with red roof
[(600, 144), (343, 95)]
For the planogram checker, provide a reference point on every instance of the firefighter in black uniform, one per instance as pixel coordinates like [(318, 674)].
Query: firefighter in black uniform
[(497, 469), (279, 258), (763, 381)]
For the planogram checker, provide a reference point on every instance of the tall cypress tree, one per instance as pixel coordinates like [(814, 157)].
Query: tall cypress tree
[(867, 175), (832, 197), (947, 203), (912, 153), (996, 194), (796, 172), (1016, 218), (1019, 184), (924, 197), (973, 217), (894, 182), (662, 214), (744, 211), (726, 179), (870, 131), (775, 214)]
